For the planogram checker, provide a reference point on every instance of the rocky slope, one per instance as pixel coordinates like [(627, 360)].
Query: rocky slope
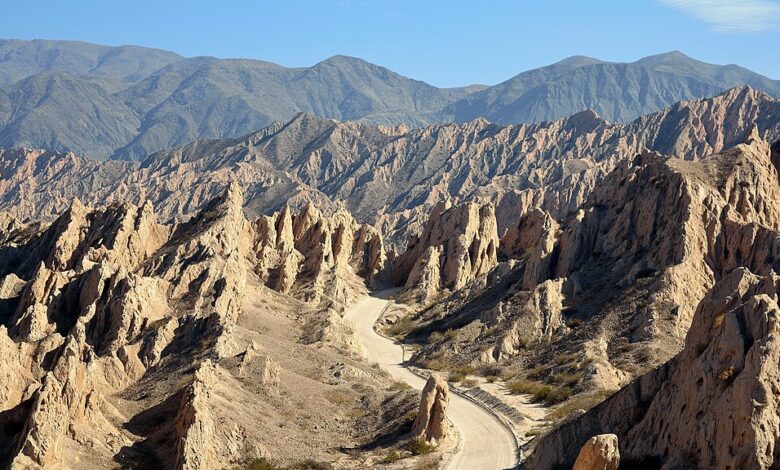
[(713, 406), (393, 177), (600, 298), (136, 343), (620, 92)]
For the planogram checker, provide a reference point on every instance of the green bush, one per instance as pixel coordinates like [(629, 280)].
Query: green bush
[(392, 456), (401, 327), (419, 446)]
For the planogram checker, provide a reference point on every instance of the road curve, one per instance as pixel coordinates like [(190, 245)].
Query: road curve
[(486, 444)]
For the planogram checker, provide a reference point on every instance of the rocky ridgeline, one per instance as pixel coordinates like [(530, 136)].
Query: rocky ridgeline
[(103, 298), (617, 282), (390, 178)]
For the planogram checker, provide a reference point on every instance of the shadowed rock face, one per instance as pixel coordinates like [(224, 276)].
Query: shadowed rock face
[(712, 406), (457, 245)]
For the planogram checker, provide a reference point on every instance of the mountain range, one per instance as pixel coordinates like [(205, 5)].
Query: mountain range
[(128, 102)]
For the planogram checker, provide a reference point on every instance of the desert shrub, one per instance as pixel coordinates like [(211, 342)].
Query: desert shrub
[(400, 385), (558, 395), (401, 327), (311, 464), (451, 334), (338, 397), (508, 374), (435, 337), (456, 377), (435, 364), (392, 456), (419, 446), (489, 370), (470, 383), (539, 392), (260, 463), (537, 372), (525, 387), (568, 379), (465, 369), (563, 358)]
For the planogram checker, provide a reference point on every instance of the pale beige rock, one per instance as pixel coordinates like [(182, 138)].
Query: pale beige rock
[(431, 421), (599, 453), (194, 425), (259, 368), (462, 240), (714, 405), (11, 286)]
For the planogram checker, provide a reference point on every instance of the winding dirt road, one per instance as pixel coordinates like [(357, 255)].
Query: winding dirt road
[(486, 444)]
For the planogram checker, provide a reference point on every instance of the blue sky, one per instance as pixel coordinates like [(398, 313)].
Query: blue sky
[(444, 42)]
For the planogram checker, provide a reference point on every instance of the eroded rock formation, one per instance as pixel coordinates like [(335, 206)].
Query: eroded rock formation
[(457, 245), (431, 420), (599, 453), (102, 300), (714, 405)]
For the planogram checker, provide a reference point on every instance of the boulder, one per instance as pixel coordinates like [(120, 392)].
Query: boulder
[(599, 453)]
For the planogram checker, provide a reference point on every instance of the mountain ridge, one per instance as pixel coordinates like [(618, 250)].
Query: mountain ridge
[(169, 100)]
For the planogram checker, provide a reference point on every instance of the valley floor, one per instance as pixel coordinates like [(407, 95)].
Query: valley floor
[(485, 442)]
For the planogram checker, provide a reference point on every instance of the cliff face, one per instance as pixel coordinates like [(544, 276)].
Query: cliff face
[(457, 245), (712, 406)]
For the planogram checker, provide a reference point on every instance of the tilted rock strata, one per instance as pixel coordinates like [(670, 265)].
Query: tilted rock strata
[(714, 405), (390, 178)]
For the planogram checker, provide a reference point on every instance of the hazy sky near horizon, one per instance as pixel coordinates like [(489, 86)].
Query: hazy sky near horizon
[(443, 42)]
